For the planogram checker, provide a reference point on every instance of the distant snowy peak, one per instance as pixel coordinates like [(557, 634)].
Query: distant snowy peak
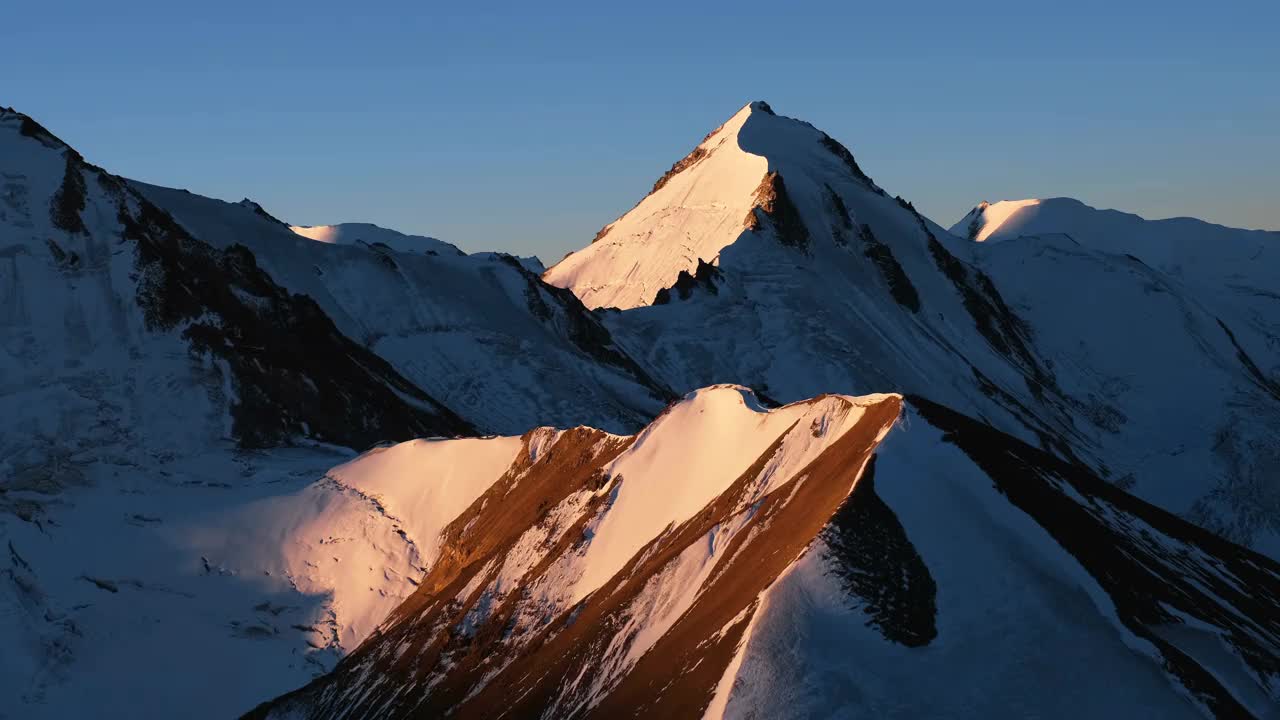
[(1096, 227), (742, 176), (987, 219), (371, 235), (1210, 256)]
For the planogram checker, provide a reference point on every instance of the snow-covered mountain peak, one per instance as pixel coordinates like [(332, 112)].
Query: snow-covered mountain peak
[(1209, 256), (706, 201), (1007, 218), (370, 235), (693, 211)]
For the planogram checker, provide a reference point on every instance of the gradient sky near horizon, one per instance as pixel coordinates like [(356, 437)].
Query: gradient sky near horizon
[(526, 127)]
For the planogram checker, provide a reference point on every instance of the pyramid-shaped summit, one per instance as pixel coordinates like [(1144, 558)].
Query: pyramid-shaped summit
[(707, 200)]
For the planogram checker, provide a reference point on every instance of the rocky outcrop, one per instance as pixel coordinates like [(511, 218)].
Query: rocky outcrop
[(774, 207)]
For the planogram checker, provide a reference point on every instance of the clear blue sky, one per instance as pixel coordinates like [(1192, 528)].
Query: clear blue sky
[(525, 127)]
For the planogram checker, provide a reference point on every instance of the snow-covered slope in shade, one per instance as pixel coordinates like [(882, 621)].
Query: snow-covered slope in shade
[(1190, 282), (361, 537), (1194, 386), (833, 286), (1234, 272), (120, 329), (368, 234), (110, 603), (142, 374), (600, 568), (481, 332), (243, 573), (1020, 586), (1213, 259), (733, 562)]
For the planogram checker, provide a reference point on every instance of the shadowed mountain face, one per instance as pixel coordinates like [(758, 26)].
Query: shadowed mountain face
[(479, 332), (108, 294)]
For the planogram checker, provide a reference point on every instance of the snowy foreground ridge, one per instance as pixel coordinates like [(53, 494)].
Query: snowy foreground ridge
[(587, 556), (716, 564), (1025, 466)]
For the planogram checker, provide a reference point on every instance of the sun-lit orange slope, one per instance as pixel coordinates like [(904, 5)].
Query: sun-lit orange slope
[(613, 571)]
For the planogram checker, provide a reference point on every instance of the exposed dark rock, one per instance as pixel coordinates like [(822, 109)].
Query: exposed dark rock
[(900, 286), (102, 584), (705, 276), (846, 157), (599, 235), (766, 400), (688, 161), (533, 299), (580, 325), (65, 260), (975, 225), (28, 127), (261, 212), (773, 205), (841, 219), (1272, 387), (295, 375), (68, 201), (874, 558), (1007, 333)]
